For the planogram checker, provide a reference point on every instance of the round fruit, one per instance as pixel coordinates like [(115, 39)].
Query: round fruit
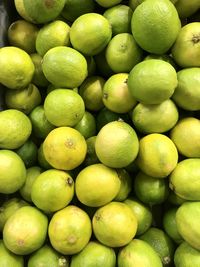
[(8, 258), (107, 4), (38, 78), (64, 148), (91, 157), (126, 185), (187, 8), (28, 153), (70, 230), (87, 125), (152, 81), (114, 224)]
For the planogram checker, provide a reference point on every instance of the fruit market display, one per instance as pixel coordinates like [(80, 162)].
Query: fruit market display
[(100, 133)]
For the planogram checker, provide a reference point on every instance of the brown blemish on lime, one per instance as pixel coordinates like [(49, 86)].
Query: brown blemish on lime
[(97, 217), (69, 143), (105, 95), (71, 239), (69, 181), (20, 242), (49, 3), (196, 38)]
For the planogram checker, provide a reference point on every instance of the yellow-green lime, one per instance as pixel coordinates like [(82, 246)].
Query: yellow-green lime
[(52, 190), (187, 93), (125, 186), (123, 53), (15, 128), (70, 230), (41, 126), (119, 17), (24, 100), (138, 253), (25, 231), (150, 190), (91, 157), (189, 147), (12, 172), (31, 174), (114, 224), (116, 95), (87, 125), (38, 78), (187, 8), (53, 34), (152, 81), (28, 153), (8, 258), (184, 179), (157, 118), (107, 4), (47, 256), (91, 90), (17, 68), (64, 107), (117, 150), (22, 34), (97, 185), (90, 33), (155, 25), (157, 155), (94, 254), (64, 67), (142, 213), (75, 8), (64, 148)]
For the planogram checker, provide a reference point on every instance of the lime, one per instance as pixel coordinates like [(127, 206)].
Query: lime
[(134, 3), (43, 163), (102, 65), (107, 4), (53, 34), (87, 125), (64, 67), (186, 9), (17, 68), (174, 199), (164, 57), (8, 258), (91, 65), (126, 184), (91, 157), (64, 107), (12, 172), (90, 33), (152, 81), (28, 153), (38, 78)]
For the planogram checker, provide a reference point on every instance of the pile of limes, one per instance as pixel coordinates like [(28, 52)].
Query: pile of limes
[(100, 134)]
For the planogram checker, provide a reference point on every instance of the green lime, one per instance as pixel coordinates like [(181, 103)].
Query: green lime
[(43, 163), (87, 125), (102, 65), (8, 258), (106, 4), (91, 157), (125, 186), (38, 78), (28, 153)]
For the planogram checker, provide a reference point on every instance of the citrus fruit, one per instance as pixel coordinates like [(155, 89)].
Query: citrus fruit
[(15, 128), (64, 107), (90, 33), (116, 95), (8, 208), (22, 34), (12, 172), (189, 147), (161, 243), (52, 190), (155, 25), (38, 78), (150, 190), (17, 68), (138, 253), (184, 179), (41, 126), (46, 256), (114, 224), (107, 4), (125, 186), (186, 255), (75, 8), (152, 81), (91, 90), (164, 57), (43, 163), (102, 65), (53, 34), (91, 65), (157, 118), (93, 177), (25, 231), (64, 148), (24, 100), (91, 157), (31, 174), (28, 153), (185, 50), (187, 220), (70, 230), (64, 67), (170, 226), (8, 258), (119, 17), (134, 3), (87, 125), (123, 53), (117, 150), (157, 155), (142, 214), (94, 254), (186, 9), (40, 11), (174, 199), (187, 93)]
